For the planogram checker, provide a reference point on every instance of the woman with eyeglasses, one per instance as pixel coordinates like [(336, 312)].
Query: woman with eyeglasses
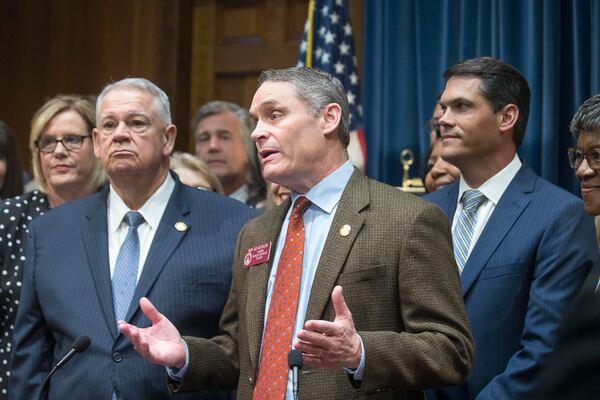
[(65, 169), (572, 370), (585, 156)]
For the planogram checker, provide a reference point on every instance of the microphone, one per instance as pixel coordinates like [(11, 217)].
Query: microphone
[(295, 362), (79, 346)]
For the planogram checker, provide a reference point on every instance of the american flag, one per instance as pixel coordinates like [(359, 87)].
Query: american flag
[(327, 44)]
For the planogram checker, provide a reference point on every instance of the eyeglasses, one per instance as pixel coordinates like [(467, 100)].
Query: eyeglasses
[(47, 144), (576, 157)]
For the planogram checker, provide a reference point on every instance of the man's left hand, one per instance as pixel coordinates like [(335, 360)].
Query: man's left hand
[(326, 344)]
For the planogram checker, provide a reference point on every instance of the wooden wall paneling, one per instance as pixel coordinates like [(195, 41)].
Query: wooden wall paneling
[(234, 40), (202, 59), (70, 46)]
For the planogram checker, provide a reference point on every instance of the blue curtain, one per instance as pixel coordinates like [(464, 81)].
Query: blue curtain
[(409, 43)]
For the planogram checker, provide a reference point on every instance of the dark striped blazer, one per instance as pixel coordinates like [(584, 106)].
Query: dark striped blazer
[(67, 293)]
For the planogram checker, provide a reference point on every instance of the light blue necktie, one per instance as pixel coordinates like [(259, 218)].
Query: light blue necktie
[(126, 268), (463, 231)]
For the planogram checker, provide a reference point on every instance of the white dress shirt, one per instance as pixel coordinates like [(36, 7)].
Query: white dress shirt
[(493, 189), (241, 194), (152, 211)]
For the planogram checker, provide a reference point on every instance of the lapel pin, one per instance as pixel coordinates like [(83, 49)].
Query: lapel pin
[(345, 230), (181, 226)]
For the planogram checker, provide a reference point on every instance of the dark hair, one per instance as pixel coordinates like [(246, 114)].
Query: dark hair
[(587, 118), (424, 167), (501, 84), (430, 125), (315, 89), (13, 180)]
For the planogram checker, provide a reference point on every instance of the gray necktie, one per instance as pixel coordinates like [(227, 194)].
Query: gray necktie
[(465, 226), (126, 268)]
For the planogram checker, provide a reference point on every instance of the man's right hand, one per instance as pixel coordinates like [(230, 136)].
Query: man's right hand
[(159, 343)]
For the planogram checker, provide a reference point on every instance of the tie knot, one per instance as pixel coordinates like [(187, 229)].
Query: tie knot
[(472, 199), (134, 219), (300, 205)]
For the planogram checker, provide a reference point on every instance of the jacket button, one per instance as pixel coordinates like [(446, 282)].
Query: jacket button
[(251, 381), (117, 357)]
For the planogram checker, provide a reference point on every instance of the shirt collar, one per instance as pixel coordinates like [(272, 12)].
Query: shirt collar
[(152, 210), (241, 194), (327, 193), (494, 188)]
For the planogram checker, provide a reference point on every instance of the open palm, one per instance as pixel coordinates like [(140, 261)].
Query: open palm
[(160, 343)]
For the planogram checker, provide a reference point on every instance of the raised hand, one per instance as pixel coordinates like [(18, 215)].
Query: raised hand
[(328, 344), (159, 343)]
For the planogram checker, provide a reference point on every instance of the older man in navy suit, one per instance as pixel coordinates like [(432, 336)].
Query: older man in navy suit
[(90, 262), (523, 246)]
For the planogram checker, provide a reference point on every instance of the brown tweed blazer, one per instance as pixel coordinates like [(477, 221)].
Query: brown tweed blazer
[(400, 282)]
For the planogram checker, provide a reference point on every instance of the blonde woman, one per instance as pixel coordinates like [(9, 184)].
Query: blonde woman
[(65, 169), (194, 172)]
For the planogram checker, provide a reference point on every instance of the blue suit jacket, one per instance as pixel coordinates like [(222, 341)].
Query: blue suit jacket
[(530, 260), (67, 293)]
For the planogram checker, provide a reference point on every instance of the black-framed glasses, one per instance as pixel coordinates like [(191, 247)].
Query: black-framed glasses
[(47, 144), (576, 157)]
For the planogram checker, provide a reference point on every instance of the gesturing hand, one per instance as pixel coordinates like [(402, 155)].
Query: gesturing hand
[(331, 344), (159, 343)]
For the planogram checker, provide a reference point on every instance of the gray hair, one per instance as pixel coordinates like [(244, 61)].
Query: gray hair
[(218, 107), (161, 100), (256, 183), (315, 89), (587, 118)]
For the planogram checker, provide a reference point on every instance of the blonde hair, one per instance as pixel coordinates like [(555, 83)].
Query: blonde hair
[(84, 106), (186, 160)]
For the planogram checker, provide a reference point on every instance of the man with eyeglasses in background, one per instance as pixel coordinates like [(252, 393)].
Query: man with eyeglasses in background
[(523, 246), (89, 262)]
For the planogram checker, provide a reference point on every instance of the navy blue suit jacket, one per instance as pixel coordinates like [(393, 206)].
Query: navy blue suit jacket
[(67, 293), (530, 260)]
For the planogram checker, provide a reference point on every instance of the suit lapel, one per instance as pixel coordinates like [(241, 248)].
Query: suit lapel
[(258, 281), (165, 241), (511, 205), (337, 247), (95, 241)]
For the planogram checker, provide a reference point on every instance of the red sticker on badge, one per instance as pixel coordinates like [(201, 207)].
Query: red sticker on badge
[(257, 255)]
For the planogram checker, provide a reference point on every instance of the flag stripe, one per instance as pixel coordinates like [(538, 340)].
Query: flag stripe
[(328, 45)]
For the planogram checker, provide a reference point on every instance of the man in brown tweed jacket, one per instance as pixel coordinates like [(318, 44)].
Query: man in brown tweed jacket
[(399, 325)]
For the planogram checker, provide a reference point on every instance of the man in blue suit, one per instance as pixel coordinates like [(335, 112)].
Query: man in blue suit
[(522, 245), (89, 262)]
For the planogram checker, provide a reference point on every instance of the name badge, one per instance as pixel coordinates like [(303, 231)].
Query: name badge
[(257, 255)]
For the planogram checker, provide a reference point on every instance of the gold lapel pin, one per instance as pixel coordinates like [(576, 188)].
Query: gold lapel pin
[(181, 226), (345, 230)]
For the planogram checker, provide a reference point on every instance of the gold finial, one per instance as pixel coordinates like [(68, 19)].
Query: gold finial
[(409, 185)]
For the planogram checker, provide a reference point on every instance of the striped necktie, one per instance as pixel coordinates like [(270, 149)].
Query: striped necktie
[(126, 268), (465, 226)]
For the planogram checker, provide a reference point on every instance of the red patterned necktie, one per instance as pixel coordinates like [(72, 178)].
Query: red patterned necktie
[(277, 341)]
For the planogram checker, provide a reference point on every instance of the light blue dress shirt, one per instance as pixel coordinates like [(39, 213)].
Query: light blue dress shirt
[(324, 197)]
